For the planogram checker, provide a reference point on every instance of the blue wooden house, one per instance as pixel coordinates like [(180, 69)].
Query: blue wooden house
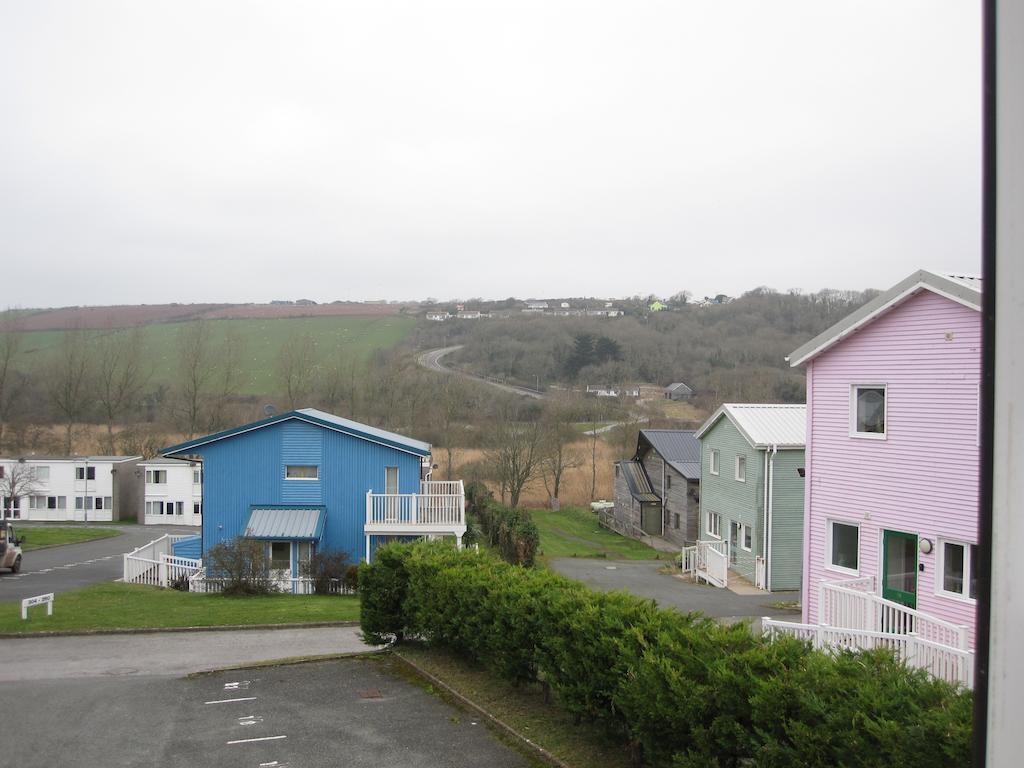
[(308, 481)]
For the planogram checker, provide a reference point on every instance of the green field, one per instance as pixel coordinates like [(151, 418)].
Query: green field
[(354, 337), (132, 606), (574, 532), (36, 538)]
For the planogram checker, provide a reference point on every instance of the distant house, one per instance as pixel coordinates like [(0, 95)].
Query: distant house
[(173, 493), (601, 391), (678, 391), (469, 314), (307, 481), (752, 491), (564, 305), (893, 398), (438, 317), (657, 492), (657, 306), (536, 305), (73, 489)]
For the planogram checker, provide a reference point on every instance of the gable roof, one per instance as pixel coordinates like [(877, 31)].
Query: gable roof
[(637, 481), (320, 418), (963, 289), (764, 425), (678, 447), (678, 386)]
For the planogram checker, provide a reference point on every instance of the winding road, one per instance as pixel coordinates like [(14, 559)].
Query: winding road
[(431, 360)]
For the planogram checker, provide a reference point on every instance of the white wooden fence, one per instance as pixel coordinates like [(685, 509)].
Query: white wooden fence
[(201, 582), (156, 564), (955, 665)]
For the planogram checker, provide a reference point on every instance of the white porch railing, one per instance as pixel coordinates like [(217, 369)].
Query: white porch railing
[(760, 573), (689, 561), (849, 607), (955, 665), (156, 564), (713, 562), (440, 503), (200, 582)]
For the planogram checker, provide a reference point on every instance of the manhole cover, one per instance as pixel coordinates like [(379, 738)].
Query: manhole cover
[(371, 693)]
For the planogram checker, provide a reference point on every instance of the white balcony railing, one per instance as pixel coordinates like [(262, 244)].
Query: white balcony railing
[(439, 504)]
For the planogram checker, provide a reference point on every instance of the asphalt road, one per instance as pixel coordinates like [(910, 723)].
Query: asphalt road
[(72, 566), (432, 362), (353, 712)]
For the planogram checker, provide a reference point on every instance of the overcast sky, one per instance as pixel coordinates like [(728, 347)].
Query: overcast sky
[(246, 151)]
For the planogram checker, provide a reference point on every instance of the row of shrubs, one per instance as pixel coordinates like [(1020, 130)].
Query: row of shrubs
[(681, 690), (511, 532), (243, 568)]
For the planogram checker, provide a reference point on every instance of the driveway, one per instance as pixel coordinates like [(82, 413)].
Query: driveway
[(357, 712), (641, 578), (72, 566)]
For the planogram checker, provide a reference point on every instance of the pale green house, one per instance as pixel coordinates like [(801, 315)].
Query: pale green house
[(752, 490)]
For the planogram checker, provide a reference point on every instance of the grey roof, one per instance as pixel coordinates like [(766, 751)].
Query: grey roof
[(285, 524), (678, 386), (162, 461), (678, 447), (94, 459), (764, 425), (638, 482), (963, 289)]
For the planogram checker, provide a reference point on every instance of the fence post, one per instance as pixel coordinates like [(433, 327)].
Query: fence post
[(162, 570)]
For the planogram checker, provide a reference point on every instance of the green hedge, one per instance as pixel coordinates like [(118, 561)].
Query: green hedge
[(510, 531), (685, 689)]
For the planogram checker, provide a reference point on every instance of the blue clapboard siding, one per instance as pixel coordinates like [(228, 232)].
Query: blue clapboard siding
[(247, 469), (190, 547)]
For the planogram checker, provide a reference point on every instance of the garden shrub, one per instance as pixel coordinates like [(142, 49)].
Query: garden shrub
[(510, 531), (242, 565), (685, 690), (327, 571)]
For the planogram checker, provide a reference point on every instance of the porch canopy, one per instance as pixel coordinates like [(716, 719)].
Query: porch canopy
[(286, 523)]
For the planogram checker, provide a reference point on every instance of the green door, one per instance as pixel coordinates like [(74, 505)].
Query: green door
[(899, 567)]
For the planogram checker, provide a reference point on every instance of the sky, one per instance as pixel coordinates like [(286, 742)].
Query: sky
[(247, 151)]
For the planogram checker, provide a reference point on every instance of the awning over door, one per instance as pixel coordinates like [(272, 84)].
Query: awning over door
[(304, 523), (638, 482)]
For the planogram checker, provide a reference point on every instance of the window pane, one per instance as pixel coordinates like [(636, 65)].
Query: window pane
[(301, 472), (871, 410), (747, 537), (281, 556), (844, 545), (391, 480), (901, 563), (953, 568)]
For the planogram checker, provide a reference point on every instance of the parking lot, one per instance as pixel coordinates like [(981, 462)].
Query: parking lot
[(351, 712)]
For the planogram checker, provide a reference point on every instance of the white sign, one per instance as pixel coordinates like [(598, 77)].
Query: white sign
[(28, 602)]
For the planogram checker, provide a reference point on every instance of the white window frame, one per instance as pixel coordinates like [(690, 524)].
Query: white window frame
[(741, 459), (302, 479), (744, 531), (829, 565), (717, 532), (940, 570), (41, 473), (398, 487), (714, 462), (884, 434)]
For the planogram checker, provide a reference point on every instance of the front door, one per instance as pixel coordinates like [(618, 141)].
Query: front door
[(734, 541), (281, 564), (899, 567)]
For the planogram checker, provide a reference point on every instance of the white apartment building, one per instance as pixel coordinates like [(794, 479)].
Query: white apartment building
[(71, 488), (173, 492)]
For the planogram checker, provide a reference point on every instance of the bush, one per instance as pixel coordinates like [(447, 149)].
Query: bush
[(511, 531), (243, 566), (686, 691), (327, 570)]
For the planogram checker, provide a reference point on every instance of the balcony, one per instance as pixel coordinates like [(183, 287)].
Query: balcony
[(439, 508)]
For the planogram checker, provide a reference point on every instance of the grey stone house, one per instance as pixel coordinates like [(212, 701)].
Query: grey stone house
[(657, 492), (678, 391)]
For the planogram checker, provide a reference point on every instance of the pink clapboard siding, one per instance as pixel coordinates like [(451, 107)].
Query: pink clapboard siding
[(923, 478)]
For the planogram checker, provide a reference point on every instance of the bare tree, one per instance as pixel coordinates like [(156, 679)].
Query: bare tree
[(226, 381), (452, 400), (557, 453), (598, 412), (119, 378), (16, 482), (69, 382), (514, 452), (10, 380), (296, 363), (195, 364), (339, 383)]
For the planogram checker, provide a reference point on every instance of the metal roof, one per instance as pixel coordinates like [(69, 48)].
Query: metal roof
[(77, 459), (321, 418), (764, 425), (285, 523), (638, 482), (963, 289), (678, 447), (678, 385), (163, 461)]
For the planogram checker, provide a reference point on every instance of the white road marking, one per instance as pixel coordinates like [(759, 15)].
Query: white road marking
[(239, 685), (229, 701), (250, 720), (263, 738)]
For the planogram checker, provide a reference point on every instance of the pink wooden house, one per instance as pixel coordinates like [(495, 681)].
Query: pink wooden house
[(891, 495)]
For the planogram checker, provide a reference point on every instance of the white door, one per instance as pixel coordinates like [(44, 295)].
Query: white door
[(281, 564)]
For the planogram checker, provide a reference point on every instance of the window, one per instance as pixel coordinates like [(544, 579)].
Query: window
[(748, 538), (391, 480), (668, 482), (99, 502), (281, 556), (868, 410), (62, 502), (741, 468), (51, 502), (156, 476), (85, 473), (197, 508), (958, 566), (41, 474), (155, 507), (179, 507), (301, 472), (197, 476), (714, 525), (675, 520), (843, 546), (714, 462)]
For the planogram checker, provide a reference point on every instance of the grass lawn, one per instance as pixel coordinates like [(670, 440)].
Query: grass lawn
[(133, 606), (574, 532), (48, 537), (523, 708)]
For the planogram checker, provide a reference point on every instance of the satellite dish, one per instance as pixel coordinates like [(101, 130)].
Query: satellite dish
[(269, 410)]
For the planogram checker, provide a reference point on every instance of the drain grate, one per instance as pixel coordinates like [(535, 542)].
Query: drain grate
[(371, 693)]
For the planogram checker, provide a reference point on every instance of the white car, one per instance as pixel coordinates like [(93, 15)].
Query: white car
[(10, 547)]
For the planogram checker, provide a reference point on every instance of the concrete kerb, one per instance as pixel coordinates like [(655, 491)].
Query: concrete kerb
[(155, 630), (287, 661), (502, 726)]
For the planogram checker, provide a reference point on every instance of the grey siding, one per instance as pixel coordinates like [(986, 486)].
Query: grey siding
[(627, 509), (786, 557), (129, 492), (680, 497)]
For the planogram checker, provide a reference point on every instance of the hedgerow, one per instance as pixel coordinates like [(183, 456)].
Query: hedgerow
[(684, 690), (511, 532)]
